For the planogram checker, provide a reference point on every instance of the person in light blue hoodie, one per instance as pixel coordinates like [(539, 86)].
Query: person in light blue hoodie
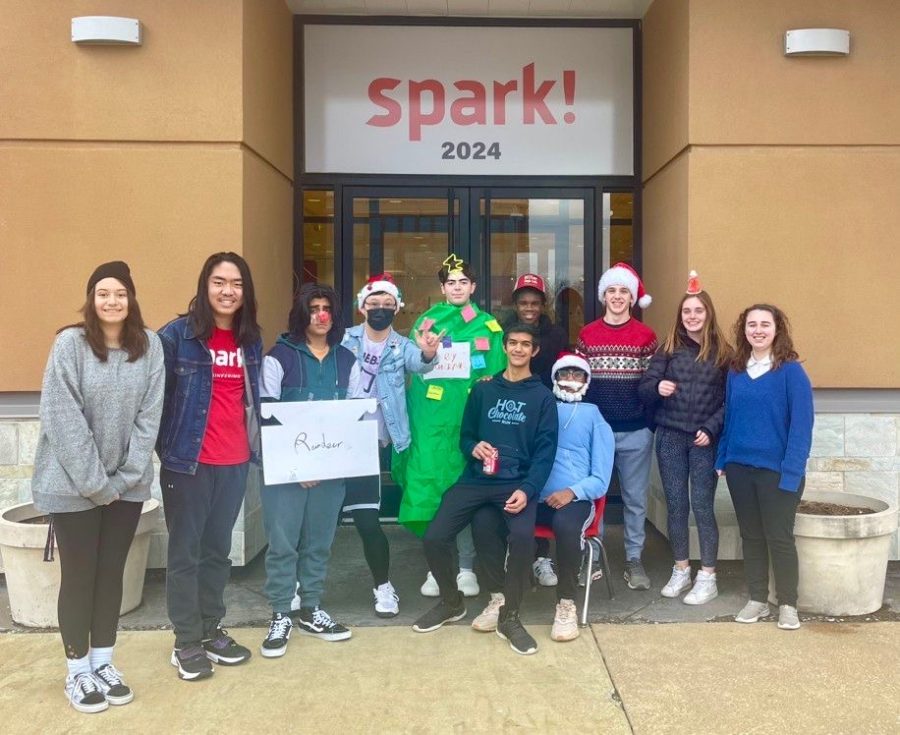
[(384, 358), (580, 475)]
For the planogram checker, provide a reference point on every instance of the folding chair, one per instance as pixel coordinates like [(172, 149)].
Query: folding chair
[(593, 547)]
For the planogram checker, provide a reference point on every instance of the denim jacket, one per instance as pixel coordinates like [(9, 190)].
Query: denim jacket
[(400, 356), (189, 392)]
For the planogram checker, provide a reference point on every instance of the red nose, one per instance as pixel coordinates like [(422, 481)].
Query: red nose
[(323, 317)]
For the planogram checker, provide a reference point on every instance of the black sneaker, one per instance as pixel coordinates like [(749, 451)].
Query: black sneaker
[(192, 663), (84, 693), (221, 648), (635, 575), (276, 641), (113, 685), (318, 623), (510, 629), (440, 614)]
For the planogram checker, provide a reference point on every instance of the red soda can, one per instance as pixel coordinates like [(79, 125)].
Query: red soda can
[(492, 463)]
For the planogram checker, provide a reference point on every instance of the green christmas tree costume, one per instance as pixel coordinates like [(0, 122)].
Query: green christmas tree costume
[(433, 461)]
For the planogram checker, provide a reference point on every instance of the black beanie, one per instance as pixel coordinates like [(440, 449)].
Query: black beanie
[(117, 269)]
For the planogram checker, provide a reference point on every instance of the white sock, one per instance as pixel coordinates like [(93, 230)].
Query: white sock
[(79, 665), (100, 657), (466, 569)]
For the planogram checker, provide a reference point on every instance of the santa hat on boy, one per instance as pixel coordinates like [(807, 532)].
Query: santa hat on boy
[(622, 274), (382, 283), (570, 360)]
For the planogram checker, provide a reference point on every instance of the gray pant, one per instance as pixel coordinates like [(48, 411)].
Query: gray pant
[(632, 464), (300, 526)]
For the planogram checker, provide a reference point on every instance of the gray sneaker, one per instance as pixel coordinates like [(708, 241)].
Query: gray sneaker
[(751, 612), (788, 618), (635, 575)]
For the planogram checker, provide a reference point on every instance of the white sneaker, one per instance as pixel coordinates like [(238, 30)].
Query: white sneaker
[(788, 618), (678, 582), (752, 611), (704, 589), (430, 587), (543, 572), (85, 694), (386, 601), (486, 622), (467, 583), (565, 623), (295, 603)]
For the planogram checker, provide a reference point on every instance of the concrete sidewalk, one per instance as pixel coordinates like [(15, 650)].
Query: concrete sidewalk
[(688, 678)]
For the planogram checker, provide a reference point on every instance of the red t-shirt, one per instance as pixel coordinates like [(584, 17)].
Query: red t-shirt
[(225, 441)]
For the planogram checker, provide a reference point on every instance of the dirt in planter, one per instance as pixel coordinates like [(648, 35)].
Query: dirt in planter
[(815, 508)]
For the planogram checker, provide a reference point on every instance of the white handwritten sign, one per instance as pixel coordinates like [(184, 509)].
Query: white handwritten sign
[(319, 440), (454, 361)]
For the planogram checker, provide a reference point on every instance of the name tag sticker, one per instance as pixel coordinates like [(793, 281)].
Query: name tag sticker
[(435, 392), (426, 324), (493, 325), (482, 343), (468, 313), (478, 362)]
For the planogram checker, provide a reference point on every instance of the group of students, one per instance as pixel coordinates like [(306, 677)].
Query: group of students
[(491, 429)]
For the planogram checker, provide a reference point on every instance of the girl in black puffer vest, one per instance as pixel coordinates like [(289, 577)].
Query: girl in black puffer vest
[(685, 388)]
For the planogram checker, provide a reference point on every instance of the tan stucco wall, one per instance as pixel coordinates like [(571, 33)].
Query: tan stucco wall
[(147, 154), (792, 174)]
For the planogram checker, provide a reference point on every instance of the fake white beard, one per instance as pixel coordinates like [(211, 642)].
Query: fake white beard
[(564, 395)]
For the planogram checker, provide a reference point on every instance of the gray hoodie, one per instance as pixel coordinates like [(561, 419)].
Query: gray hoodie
[(99, 422)]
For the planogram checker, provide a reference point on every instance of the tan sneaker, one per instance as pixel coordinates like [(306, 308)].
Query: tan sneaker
[(486, 622), (565, 624)]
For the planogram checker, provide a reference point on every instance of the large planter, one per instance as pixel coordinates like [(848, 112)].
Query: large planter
[(33, 584), (843, 559)]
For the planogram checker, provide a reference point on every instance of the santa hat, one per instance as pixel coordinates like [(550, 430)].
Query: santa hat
[(382, 283), (693, 287), (570, 360), (622, 274)]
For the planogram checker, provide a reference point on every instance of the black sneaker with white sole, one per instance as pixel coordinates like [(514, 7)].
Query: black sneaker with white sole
[(113, 685), (84, 693), (221, 648), (192, 663), (440, 614), (276, 642), (635, 575), (315, 622), (510, 629)]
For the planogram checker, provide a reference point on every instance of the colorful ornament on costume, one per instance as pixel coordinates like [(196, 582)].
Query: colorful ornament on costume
[(453, 264)]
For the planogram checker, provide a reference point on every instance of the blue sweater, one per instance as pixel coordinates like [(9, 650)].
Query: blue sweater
[(584, 453), (768, 423)]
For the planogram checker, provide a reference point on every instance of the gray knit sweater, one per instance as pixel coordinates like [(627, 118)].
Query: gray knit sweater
[(99, 422)]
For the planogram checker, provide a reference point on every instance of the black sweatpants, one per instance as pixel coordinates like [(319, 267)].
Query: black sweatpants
[(375, 543), (766, 515), (93, 546), (458, 508), (200, 513)]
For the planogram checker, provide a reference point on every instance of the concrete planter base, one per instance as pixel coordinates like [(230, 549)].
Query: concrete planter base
[(33, 584), (843, 559)]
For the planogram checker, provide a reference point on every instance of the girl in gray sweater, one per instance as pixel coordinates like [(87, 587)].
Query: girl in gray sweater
[(101, 402)]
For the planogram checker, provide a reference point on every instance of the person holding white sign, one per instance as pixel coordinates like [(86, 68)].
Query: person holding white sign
[(471, 349), (384, 358), (307, 363)]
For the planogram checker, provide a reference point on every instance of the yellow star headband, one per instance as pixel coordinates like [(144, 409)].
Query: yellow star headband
[(453, 265)]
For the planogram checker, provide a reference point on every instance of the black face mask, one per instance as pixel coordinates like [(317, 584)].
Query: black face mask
[(379, 319)]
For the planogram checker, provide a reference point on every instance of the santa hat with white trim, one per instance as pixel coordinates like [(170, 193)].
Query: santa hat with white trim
[(622, 274), (570, 360), (382, 283)]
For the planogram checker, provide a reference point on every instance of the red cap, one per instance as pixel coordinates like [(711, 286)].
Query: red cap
[(530, 280)]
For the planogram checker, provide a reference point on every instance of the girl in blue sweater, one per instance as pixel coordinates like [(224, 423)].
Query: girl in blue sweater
[(762, 453)]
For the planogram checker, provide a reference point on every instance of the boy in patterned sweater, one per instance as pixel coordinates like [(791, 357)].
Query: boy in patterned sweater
[(619, 348)]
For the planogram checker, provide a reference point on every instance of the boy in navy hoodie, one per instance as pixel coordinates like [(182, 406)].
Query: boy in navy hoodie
[(511, 418)]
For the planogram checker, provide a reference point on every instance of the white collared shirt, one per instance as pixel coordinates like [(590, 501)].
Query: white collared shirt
[(755, 368)]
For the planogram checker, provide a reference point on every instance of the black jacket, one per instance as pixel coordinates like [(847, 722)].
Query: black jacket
[(553, 341), (699, 398)]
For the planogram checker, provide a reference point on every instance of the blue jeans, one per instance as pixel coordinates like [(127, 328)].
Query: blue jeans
[(632, 464)]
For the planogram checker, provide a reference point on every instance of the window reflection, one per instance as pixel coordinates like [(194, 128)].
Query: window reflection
[(318, 236)]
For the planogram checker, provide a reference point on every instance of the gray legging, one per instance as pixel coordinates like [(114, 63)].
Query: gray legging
[(680, 460)]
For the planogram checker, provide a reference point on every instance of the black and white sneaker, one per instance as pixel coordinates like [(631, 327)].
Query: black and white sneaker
[(318, 623), (276, 641), (113, 685), (192, 663), (510, 629), (84, 693), (440, 614), (221, 648)]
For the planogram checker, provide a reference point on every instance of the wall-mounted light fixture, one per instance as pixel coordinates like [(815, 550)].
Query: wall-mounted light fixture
[(817, 42), (106, 29)]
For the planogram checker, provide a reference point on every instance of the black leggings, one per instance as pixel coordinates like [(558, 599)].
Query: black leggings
[(375, 543), (93, 545)]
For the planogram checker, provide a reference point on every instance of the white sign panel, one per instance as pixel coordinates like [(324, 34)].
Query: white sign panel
[(319, 440), (464, 100), (454, 361)]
